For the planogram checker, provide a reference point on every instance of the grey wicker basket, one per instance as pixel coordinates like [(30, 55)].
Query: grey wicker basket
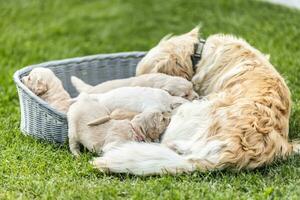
[(40, 120)]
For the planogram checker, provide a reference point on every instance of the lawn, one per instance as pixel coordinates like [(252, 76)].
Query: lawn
[(37, 31)]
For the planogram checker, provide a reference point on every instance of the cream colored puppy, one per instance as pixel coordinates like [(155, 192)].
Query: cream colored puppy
[(241, 123), (45, 84), (176, 86), (138, 99), (147, 126)]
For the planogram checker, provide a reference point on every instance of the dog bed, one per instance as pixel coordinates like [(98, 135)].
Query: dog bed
[(42, 121)]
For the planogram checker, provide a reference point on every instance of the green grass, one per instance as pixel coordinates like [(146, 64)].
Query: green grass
[(38, 31)]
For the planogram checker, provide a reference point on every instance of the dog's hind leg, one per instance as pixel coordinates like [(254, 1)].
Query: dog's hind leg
[(74, 147), (73, 142)]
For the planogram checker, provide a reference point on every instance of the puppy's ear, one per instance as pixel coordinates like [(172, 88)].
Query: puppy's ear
[(41, 87), (25, 80), (168, 88), (177, 101), (167, 115)]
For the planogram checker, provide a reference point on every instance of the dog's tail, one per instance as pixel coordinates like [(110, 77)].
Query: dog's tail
[(99, 121), (151, 158), (79, 85), (143, 159)]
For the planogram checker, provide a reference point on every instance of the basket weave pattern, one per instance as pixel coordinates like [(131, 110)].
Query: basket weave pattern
[(42, 121)]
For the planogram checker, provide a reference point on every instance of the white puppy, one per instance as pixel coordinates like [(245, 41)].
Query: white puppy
[(176, 86), (45, 84)]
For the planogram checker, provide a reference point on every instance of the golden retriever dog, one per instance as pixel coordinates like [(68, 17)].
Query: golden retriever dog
[(43, 82), (241, 123), (176, 86), (146, 126)]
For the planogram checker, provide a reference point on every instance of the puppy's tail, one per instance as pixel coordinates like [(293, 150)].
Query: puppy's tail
[(79, 85), (99, 121), (147, 159)]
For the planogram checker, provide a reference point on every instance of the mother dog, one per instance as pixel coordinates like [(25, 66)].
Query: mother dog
[(241, 122)]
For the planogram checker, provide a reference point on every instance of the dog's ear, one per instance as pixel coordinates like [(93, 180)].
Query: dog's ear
[(268, 56), (41, 87), (158, 116), (177, 101), (165, 38), (194, 32), (169, 88), (167, 115), (25, 80), (174, 65)]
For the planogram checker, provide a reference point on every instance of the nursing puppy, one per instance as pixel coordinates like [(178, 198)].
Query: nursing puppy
[(176, 86), (136, 99), (139, 99), (147, 126), (46, 85), (241, 123)]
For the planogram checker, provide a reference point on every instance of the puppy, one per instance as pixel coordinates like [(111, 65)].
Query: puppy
[(176, 86), (147, 126), (242, 122), (139, 99), (136, 99), (46, 85)]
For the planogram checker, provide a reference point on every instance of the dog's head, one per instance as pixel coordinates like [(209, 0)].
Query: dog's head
[(152, 125), (171, 56), (38, 80)]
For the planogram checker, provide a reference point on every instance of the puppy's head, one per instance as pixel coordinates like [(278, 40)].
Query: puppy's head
[(171, 56), (151, 124), (160, 121), (38, 80), (180, 87)]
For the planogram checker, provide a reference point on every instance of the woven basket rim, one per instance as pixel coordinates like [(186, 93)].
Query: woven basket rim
[(17, 75)]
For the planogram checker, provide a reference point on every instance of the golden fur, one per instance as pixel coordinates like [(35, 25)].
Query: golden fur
[(251, 101), (242, 121), (45, 84)]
